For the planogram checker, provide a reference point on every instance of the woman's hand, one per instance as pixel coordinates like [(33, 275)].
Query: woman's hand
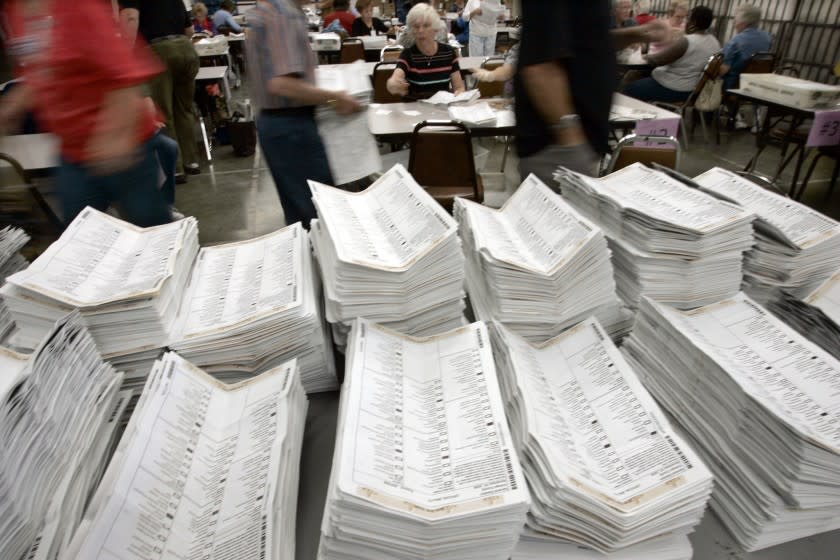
[(397, 85)]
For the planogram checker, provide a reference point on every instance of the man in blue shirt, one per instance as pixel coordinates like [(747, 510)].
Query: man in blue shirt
[(224, 17), (748, 41)]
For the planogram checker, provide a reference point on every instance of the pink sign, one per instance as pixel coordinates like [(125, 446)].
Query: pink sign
[(826, 129), (657, 127)]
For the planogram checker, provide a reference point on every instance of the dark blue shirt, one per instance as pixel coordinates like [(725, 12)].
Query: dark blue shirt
[(738, 51)]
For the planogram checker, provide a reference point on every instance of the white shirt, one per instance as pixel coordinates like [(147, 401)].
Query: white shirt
[(684, 73), (485, 24)]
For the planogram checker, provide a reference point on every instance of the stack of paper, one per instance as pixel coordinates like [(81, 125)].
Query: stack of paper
[(127, 281), (537, 265), (58, 412), (253, 305), (759, 403), (796, 248), (390, 254), (448, 98), (605, 468), (12, 240), (204, 470), (424, 466), (477, 113), (817, 317), (537, 547), (669, 242)]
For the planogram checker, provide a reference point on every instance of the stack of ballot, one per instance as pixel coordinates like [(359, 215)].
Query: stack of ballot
[(669, 242), (126, 281), (605, 468), (12, 241), (351, 149), (390, 254), (57, 425), (424, 466), (537, 265), (759, 404), (796, 248), (816, 317), (204, 470), (253, 305)]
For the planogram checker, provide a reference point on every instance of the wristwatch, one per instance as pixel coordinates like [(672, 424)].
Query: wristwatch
[(566, 122)]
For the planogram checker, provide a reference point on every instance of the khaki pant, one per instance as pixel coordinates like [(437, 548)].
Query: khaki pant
[(173, 92)]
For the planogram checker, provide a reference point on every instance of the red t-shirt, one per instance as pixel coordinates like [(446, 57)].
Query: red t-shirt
[(642, 19), (71, 67), (346, 19)]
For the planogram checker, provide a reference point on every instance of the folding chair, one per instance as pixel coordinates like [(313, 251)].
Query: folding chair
[(492, 89), (441, 160), (352, 50), (763, 62), (684, 108), (626, 153), (381, 72), (390, 54)]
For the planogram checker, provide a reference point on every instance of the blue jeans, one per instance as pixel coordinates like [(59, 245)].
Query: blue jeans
[(166, 150), (294, 153), (648, 89), (135, 189)]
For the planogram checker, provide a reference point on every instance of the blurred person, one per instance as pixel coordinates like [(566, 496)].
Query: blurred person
[(641, 12), (748, 40), (98, 112), (341, 13), (676, 18), (328, 6), (201, 23), (680, 65), (166, 26), (503, 73), (482, 38), (212, 6), (621, 14), (565, 81), (224, 17), (366, 24), (282, 78)]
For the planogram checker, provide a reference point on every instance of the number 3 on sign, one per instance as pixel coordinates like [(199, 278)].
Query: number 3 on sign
[(826, 129)]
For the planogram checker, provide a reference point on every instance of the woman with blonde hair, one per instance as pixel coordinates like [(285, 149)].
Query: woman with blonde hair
[(425, 66), (201, 23)]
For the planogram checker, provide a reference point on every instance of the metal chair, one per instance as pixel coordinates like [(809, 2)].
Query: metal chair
[(352, 49), (441, 160), (492, 89), (763, 62), (626, 153), (827, 151), (684, 108), (390, 53), (379, 78)]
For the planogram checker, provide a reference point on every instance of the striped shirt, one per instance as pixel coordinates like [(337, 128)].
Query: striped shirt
[(427, 75), (277, 45)]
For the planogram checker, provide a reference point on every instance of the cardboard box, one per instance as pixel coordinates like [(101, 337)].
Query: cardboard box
[(802, 94)]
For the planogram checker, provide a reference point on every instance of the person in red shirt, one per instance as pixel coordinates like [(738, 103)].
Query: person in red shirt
[(83, 83), (641, 9), (342, 14)]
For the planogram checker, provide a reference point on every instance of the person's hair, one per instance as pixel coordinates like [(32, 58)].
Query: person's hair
[(700, 18), (616, 3), (641, 7), (199, 9), (341, 5), (676, 5), (419, 13), (748, 14), (227, 5), (363, 5)]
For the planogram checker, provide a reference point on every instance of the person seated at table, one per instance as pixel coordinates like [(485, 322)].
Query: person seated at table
[(425, 66), (366, 24), (341, 13), (677, 14), (503, 73), (641, 11), (224, 17), (679, 67), (748, 40), (621, 10), (201, 23)]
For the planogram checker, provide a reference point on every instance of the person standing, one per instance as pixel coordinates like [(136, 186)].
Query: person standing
[(282, 70), (167, 27), (481, 15), (565, 82), (84, 82)]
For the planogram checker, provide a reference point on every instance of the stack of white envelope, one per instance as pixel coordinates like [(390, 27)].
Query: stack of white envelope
[(759, 404), (58, 413), (126, 281), (796, 247), (424, 466), (816, 316), (12, 240), (253, 305), (669, 242), (204, 469), (390, 254), (605, 468), (537, 265)]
